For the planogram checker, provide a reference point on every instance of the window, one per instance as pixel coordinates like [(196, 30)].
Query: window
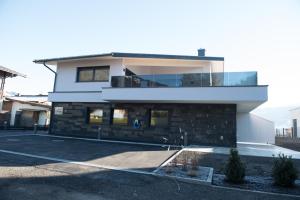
[(159, 118), (120, 116), (95, 116), (93, 74)]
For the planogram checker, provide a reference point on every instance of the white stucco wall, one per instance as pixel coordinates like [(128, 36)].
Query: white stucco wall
[(19, 106), (246, 98), (295, 114), (252, 128), (43, 118), (67, 73), (75, 97)]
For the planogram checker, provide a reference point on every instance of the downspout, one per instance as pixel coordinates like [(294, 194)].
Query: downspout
[(44, 63), (52, 107)]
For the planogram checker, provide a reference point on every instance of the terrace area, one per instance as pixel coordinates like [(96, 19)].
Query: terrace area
[(220, 79), (240, 88)]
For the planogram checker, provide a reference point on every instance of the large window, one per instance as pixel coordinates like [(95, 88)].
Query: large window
[(159, 118), (93, 74), (120, 116), (95, 116)]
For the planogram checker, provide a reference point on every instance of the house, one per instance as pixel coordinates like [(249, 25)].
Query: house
[(295, 120), (154, 98), (27, 110), (4, 74)]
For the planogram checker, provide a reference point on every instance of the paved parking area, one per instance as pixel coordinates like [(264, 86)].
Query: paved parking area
[(121, 156), (27, 177), (38, 179)]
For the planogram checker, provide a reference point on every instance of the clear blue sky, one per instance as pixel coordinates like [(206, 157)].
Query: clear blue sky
[(251, 35)]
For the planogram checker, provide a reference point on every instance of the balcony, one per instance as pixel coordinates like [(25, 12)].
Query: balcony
[(227, 79), (238, 88)]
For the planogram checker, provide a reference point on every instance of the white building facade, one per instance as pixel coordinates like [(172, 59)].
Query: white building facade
[(156, 98)]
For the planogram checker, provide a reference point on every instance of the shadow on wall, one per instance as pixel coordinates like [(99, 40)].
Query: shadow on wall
[(252, 128)]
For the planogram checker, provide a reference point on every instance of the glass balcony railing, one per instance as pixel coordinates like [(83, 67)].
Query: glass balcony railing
[(226, 79)]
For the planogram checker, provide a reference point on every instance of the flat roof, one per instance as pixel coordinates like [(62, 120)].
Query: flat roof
[(10, 72), (130, 55)]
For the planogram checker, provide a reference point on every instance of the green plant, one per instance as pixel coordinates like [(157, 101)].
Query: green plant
[(284, 172), (194, 163), (175, 162), (184, 163), (234, 169), (168, 168), (192, 172)]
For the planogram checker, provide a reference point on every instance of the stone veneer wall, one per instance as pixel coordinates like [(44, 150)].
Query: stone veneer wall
[(206, 124)]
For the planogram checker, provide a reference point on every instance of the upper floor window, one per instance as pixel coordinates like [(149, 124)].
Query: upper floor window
[(93, 74)]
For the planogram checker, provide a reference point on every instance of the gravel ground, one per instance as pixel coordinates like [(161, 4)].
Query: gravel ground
[(255, 165), (24, 178), (258, 183)]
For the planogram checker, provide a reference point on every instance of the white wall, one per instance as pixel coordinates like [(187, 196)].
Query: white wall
[(67, 72), (19, 106), (75, 97), (44, 118), (246, 98), (295, 114), (252, 128)]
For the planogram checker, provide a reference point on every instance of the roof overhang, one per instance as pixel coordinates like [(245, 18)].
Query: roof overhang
[(246, 98), (53, 61), (10, 73)]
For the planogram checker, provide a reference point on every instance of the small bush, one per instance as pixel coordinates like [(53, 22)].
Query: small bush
[(192, 172), (234, 169), (185, 163), (169, 168), (284, 172), (194, 163), (175, 162)]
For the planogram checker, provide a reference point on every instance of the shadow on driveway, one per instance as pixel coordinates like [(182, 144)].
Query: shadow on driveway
[(124, 156)]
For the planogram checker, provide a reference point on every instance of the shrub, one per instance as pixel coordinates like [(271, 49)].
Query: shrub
[(184, 163), (175, 162), (194, 163), (284, 172), (234, 169), (169, 168), (192, 173)]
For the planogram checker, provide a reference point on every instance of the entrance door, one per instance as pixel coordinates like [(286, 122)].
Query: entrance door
[(29, 118)]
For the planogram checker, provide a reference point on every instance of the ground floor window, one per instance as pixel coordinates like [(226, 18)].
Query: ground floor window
[(95, 116), (120, 116), (159, 118)]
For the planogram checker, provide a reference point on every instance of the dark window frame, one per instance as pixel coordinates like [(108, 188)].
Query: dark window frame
[(112, 117), (150, 117), (94, 68)]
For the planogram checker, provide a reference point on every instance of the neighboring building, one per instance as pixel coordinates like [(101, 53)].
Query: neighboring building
[(154, 98), (295, 121), (4, 74), (27, 110)]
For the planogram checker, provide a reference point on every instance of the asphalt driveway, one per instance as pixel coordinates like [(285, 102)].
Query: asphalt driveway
[(37, 179), (122, 156)]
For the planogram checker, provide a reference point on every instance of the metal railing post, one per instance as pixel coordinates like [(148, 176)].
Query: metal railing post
[(5, 125), (99, 133), (185, 139), (35, 128)]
